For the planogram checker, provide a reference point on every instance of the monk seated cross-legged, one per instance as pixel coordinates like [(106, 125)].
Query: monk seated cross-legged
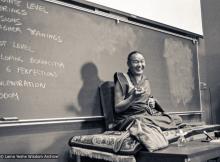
[(136, 109)]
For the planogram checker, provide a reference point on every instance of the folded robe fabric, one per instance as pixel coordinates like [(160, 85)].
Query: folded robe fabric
[(149, 135)]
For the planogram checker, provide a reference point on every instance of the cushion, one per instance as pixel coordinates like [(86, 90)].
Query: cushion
[(118, 142), (95, 154)]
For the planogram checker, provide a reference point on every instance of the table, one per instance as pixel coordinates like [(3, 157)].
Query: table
[(193, 151)]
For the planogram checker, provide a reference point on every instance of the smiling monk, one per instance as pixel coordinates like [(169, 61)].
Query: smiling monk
[(133, 99)]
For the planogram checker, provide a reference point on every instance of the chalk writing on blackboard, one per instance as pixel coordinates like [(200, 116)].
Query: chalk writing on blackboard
[(16, 3), (9, 95), (47, 62), (38, 33), (22, 83), (22, 46), (15, 21), (17, 45), (12, 10), (10, 58), (7, 28), (34, 72), (37, 7), (3, 43)]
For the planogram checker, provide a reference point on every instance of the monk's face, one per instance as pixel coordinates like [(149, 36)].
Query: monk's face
[(136, 64)]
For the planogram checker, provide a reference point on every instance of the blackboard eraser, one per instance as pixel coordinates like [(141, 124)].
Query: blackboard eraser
[(8, 118)]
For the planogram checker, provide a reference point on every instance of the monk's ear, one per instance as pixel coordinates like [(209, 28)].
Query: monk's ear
[(128, 63)]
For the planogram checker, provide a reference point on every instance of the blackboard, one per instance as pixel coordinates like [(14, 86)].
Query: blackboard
[(53, 57)]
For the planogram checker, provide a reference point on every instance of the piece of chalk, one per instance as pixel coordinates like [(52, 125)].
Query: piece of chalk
[(8, 118)]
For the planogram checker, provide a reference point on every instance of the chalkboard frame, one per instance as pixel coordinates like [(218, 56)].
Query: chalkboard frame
[(117, 18)]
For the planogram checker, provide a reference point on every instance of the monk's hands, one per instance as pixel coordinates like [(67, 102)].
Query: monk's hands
[(138, 92), (151, 102)]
